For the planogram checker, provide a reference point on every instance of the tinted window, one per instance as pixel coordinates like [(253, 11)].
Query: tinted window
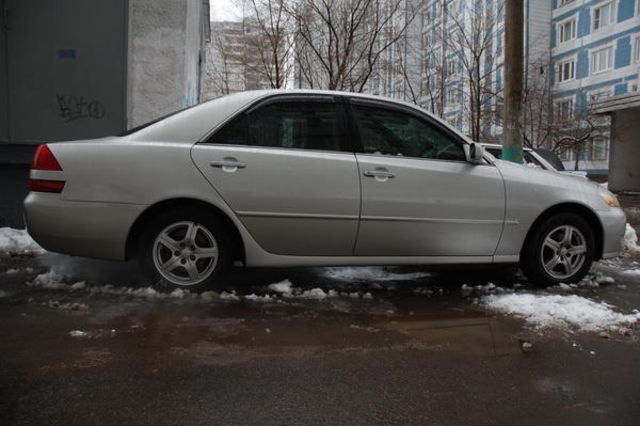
[(302, 125), (390, 132)]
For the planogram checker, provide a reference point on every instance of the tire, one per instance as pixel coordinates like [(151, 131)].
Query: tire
[(567, 261), (185, 249)]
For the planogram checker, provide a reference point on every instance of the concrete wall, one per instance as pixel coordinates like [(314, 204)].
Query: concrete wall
[(164, 50), (64, 67), (624, 169)]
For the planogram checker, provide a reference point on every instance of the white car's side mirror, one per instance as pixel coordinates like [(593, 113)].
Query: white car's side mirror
[(476, 153)]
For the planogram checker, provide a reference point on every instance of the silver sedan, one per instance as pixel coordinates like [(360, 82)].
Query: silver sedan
[(311, 178)]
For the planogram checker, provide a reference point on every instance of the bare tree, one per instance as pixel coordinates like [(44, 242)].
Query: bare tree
[(538, 121), (223, 62), (339, 42), (476, 30), (574, 131), (269, 37)]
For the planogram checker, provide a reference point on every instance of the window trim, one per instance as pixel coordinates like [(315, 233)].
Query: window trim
[(598, 49), (573, 18), (570, 59), (613, 17), (359, 147), (346, 141), (572, 111), (635, 51)]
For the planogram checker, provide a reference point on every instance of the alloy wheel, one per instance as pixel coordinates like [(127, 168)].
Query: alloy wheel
[(563, 252), (185, 253)]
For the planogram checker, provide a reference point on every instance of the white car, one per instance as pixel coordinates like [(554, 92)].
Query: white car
[(311, 178), (533, 158)]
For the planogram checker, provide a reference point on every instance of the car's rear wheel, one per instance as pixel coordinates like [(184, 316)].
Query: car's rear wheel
[(186, 250), (560, 250)]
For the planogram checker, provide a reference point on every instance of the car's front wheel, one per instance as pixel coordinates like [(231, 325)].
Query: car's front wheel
[(561, 250), (186, 250)]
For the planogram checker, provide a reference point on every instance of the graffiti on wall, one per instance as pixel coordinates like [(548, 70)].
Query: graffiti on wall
[(76, 107)]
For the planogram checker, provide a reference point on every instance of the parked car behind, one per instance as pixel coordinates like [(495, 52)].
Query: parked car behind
[(544, 159), (311, 178)]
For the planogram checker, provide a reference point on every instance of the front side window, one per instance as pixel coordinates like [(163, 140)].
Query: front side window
[(287, 124), (390, 132)]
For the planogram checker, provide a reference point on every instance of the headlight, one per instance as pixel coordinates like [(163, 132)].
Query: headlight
[(610, 199)]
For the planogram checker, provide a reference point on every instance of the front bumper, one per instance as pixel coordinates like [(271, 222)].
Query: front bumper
[(86, 229), (613, 224)]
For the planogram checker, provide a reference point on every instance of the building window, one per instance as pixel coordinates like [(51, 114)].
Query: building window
[(599, 95), (599, 148), (567, 70), (603, 16), (451, 67), (567, 30), (564, 110), (565, 2), (602, 60), (636, 49), (565, 154), (452, 95)]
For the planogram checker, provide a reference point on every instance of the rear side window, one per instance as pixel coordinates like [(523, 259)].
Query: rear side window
[(288, 124), (390, 132)]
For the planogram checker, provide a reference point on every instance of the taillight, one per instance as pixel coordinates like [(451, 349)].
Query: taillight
[(44, 160)]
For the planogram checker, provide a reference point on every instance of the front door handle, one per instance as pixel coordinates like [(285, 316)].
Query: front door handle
[(228, 164), (380, 174)]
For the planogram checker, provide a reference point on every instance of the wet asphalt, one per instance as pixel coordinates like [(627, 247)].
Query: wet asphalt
[(384, 350)]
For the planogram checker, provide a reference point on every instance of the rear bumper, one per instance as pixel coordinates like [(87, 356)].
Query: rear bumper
[(613, 224), (86, 229)]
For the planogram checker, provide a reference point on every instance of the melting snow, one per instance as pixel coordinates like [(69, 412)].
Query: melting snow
[(371, 274), (15, 242), (281, 287), (569, 312), (284, 289), (631, 240)]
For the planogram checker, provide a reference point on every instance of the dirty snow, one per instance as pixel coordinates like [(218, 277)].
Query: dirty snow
[(17, 242), (378, 274), (567, 312), (281, 287), (631, 240), (54, 281)]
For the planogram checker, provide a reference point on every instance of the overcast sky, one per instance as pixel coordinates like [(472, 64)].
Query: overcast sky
[(225, 10)]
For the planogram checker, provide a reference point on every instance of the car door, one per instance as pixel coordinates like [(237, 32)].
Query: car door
[(286, 170), (420, 197)]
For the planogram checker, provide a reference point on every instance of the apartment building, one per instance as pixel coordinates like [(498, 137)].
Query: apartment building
[(595, 48)]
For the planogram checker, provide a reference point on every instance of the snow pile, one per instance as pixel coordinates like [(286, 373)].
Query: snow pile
[(371, 274), (489, 288), (17, 242), (631, 240), (567, 312), (52, 280), (282, 287)]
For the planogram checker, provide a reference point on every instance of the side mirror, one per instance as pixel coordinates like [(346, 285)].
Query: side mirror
[(476, 153)]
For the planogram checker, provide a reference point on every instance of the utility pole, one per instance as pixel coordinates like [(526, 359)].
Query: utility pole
[(514, 79)]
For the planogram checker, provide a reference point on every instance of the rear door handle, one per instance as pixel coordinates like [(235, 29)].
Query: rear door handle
[(228, 164)]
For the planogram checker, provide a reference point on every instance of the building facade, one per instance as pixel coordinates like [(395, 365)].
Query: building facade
[(596, 55), (234, 61)]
